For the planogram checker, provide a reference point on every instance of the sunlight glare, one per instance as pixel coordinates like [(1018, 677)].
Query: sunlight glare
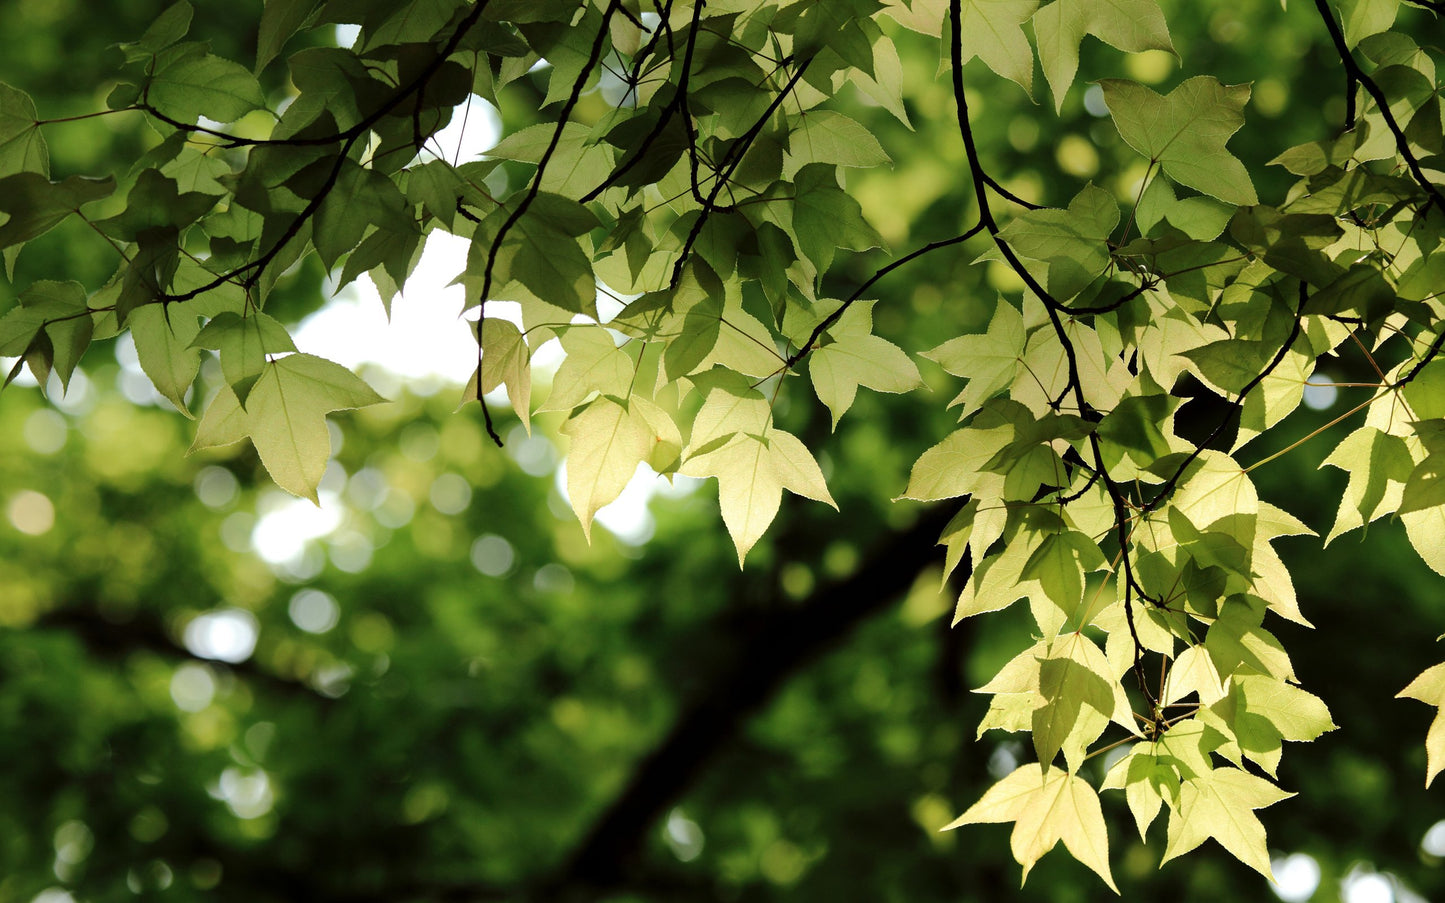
[(225, 635), (1295, 877)]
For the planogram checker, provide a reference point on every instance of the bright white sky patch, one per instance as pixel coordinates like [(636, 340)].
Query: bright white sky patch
[(427, 336), (1320, 392), (627, 517)]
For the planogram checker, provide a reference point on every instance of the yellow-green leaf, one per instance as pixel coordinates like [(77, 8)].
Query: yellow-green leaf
[(1185, 132), (1221, 804), (1429, 687), (285, 417), (1047, 805)]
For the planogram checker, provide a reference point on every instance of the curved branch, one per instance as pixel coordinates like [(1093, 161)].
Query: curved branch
[(832, 318), (252, 271), (772, 651), (1356, 74), (532, 191), (1169, 487)]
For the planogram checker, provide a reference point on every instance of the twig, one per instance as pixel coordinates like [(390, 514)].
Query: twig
[(1382, 103), (858, 292), (531, 195)]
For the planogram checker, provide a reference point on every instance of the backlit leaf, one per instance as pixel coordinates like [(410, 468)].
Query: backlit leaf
[(1185, 132)]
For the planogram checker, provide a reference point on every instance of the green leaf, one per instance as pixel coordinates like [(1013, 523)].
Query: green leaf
[(360, 199), (61, 309), (1379, 465), (1426, 530), (36, 205), (594, 364), (1075, 683), (206, 85), (167, 28), (822, 136), (1151, 773), (1215, 487), (1193, 672), (608, 441), (989, 361), (1073, 242), (955, 466), (1426, 486), (541, 252), (280, 19), (856, 358), (1136, 427), (1059, 564), (1220, 804), (1185, 132), (826, 219), (164, 340), (752, 471), (1047, 805), (507, 359), (285, 417), (1236, 640), (243, 343), (885, 85), (1426, 392), (1429, 687), (22, 146), (993, 31), (1293, 714), (1362, 18), (1129, 25)]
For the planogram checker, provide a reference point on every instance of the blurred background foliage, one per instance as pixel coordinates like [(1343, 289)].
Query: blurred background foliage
[(433, 689)]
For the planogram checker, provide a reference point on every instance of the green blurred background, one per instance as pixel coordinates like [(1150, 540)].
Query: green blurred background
[(434, 689)]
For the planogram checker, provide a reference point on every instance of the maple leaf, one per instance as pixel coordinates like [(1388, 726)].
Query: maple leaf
[(1429, 687), (1220, 804), (1129, 25), (285, 417), (609, 439), (989, 361), (1047, 805), (1185, 131), (856, 358)]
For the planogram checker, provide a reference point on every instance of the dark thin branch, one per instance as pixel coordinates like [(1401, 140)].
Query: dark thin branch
[(347, 140), (1052, 307), (1168, 488), (833, 318), (1429, 356), (674, 107), (1352, 68), (530, 196), (784, 641), (1112, 306), (725, 173), (1009, 195)]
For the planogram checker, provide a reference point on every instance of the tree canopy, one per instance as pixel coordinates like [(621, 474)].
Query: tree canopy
[(1099, 298)]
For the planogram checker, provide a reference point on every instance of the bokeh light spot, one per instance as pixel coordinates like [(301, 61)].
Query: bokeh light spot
[(226, 635), (31, 512), (314, 610)]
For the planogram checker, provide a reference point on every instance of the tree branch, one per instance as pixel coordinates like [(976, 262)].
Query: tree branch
[(1354, 72), (832, 318), (771, 651), (531, 195)]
